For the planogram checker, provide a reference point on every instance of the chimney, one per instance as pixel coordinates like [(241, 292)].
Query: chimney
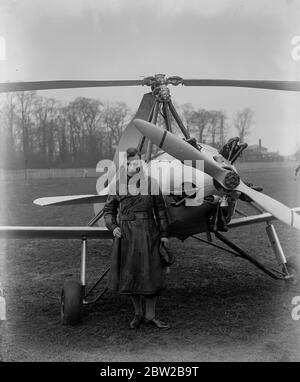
[(259, 144)]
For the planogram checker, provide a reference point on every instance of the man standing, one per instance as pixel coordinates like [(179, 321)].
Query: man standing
[(136, 265)]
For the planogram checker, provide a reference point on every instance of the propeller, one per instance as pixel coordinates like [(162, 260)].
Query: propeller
[(68, 84), (274, 207), (221, 172), (184, 151)]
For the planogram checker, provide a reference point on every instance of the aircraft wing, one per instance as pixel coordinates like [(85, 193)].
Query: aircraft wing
[(39, 232), (254, 219), (48, 232)]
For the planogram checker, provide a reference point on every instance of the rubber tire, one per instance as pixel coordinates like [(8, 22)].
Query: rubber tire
[(71, 302)]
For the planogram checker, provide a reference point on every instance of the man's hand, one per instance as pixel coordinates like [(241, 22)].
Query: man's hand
[(117, 232), (165, 241)]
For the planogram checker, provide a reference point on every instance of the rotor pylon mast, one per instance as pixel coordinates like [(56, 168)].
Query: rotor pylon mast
[(154, 121), (159, 85)]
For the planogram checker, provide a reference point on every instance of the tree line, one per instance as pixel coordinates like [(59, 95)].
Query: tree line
[(40, 132)]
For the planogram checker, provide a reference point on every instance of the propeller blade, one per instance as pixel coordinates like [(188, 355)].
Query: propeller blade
[(69, 200), (63, 84), (180, 149), (256, 84), (277, 209)]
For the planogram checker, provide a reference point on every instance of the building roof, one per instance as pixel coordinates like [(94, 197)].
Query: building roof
[(257, 148)]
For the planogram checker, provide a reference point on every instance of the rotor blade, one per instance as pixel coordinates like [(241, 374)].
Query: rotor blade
[(257, 84), (277, 209), (179, 148), (71, 199), (63, 84)]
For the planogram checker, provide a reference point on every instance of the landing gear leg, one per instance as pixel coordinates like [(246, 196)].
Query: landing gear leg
[(288, 267), (83, 264), (275, 243)]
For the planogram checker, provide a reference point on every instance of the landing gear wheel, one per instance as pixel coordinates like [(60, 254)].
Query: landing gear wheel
[(293, 266), (71, 302)]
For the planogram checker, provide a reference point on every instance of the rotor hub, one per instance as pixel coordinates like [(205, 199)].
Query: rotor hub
[(232, 180), (159, 85), (162, 93)]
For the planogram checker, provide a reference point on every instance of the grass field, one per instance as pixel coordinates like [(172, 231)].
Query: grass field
[(220, 308)]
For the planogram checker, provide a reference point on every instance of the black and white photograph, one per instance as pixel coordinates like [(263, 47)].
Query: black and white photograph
[(149, 183)]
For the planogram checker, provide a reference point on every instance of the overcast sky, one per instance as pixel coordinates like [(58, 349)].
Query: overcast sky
[(128, 39)]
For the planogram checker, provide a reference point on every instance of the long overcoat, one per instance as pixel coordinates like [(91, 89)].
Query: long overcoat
[(136, 264)]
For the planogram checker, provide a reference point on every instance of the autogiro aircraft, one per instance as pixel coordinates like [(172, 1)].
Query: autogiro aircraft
[(205, 203)]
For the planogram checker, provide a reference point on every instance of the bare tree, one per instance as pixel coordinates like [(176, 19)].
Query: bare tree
[(90, 110), (9, 114), (83, 117), (46, 110), (217, 127), (223, 127), (25, 105), (63, 155), (188, 111), (74, 131), (115, 117), (205, 123), (243, 122), (79, 134), (8, 119), (201, 119)]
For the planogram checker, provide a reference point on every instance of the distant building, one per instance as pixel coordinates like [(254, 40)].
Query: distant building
[(258, 153)]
